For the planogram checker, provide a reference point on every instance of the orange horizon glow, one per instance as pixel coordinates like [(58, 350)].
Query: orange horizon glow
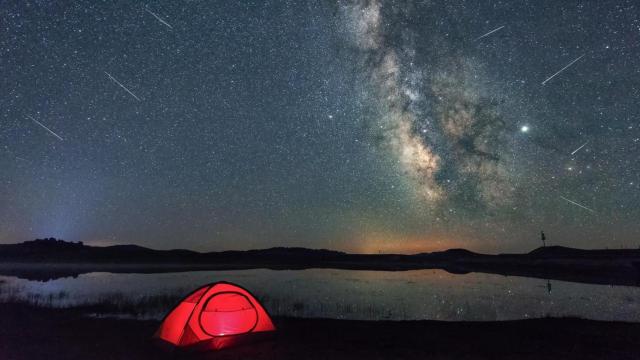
[(407, 245), (372, 243)]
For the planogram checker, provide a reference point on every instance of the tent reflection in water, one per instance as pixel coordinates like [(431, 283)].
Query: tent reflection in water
[(216, 316)]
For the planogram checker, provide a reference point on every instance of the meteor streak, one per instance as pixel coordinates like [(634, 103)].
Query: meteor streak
[(578, 149), (159, 18), (489, 33), (576, 204), (122, 86), (563, 69), (46, 128)]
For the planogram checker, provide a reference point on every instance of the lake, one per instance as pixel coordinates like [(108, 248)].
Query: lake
[(343, 294)]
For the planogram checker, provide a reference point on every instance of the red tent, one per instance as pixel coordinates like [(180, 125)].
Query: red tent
[(216, 316)]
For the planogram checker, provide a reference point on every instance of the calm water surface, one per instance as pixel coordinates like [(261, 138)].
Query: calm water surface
[(346, 294)]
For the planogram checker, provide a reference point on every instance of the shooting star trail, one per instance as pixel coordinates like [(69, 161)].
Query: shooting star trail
[(563, 69), (122, 86), (578, 149), (159, 18), (576, 204), (46, 128), (489, 33)]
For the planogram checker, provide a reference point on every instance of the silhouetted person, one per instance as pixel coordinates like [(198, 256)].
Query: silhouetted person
[(549, 286), (543, 238)]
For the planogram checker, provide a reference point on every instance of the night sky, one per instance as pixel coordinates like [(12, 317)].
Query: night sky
[(363, 126)]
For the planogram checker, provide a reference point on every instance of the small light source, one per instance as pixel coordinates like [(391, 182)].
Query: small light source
[(524, 129)]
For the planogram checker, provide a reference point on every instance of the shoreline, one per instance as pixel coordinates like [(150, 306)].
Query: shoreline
[(608, 272), (64, 259)]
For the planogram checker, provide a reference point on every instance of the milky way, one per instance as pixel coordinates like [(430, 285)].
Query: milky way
[(367, 126), (434, 120)]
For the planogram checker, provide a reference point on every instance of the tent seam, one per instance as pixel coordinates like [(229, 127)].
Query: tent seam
[(192, 311)]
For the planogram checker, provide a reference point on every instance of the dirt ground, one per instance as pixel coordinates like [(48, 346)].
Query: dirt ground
[(40, 333)]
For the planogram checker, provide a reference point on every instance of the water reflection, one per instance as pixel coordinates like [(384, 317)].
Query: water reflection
[(373, 295)]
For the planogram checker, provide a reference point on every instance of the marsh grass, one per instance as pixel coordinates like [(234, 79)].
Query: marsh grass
[(119, 304), (140, 307)]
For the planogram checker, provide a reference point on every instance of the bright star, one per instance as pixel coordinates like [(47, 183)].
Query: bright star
[(524, 129)]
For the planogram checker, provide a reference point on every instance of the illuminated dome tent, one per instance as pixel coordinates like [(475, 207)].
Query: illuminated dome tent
[(216, 316)]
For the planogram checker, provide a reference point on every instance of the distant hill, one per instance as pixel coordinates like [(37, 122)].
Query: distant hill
[(53, 250), (62, 258), (561, 251)]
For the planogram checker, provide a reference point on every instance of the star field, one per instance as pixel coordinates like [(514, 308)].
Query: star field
[(362, 126)]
